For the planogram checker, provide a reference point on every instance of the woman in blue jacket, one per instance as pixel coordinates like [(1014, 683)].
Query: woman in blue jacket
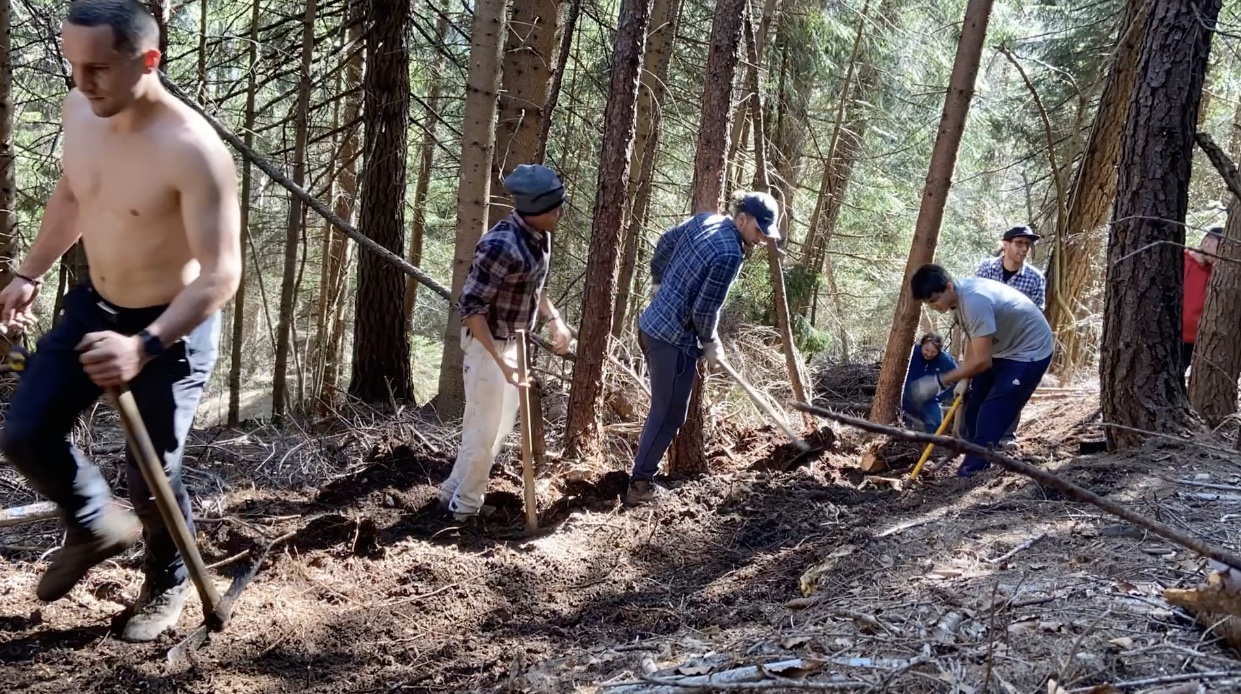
[(928, 358)]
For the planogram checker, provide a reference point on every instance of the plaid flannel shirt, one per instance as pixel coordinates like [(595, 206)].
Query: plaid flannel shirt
[(506, 277), (1028, 280), (694, 265)]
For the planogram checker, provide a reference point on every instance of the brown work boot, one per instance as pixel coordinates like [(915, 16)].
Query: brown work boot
[(156, 611), (115, 531), (642, 492)]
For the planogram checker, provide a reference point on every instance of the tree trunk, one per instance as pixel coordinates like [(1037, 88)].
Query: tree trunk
[(1142, 383), (886, 406), (237, 344), (533, 32), (203, 94), (292, 237), (792, 360), (688, 457), (426, 159), (583, 435), (1217, 361), (1090, 201), (381, 369), (474, 192), (8, 162), (665, 16)]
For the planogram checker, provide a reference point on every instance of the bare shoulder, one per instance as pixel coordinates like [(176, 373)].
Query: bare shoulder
[(73, 108), (196, 150)]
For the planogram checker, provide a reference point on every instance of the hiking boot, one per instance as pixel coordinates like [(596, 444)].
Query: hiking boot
[(482, 512), (641, 492), (156, 611), (969, 467), (115, 531)]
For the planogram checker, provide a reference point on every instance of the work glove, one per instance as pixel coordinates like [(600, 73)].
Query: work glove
[(925, 389), (963, 386), (712, 353)]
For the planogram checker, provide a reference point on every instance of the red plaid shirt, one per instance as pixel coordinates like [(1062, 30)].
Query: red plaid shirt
[(507, 276)]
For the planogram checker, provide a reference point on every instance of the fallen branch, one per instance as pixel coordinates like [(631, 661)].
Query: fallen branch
[(1227, 170), (43, 510), (1014, 551), (1043, 477), (300, 193), (749, 678), (1168, 679)]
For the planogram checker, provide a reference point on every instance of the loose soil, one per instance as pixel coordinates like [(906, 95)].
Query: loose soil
[(777, 554)]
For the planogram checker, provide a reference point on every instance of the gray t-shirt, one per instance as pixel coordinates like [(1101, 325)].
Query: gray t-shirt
[(987, 307)]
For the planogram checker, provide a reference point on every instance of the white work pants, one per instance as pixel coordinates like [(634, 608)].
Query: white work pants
[(490, 414)]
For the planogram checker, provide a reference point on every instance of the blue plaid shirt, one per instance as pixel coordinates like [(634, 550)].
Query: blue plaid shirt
[(694, 265), (1028, 280)]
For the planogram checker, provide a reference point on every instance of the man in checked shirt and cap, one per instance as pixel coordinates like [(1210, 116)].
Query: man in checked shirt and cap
[(502, 295), (692, 269)]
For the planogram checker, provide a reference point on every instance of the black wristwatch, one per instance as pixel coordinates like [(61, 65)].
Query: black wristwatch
[(151, 344)]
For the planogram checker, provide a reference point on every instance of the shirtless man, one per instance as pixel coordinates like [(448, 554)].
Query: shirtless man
[(151, 191)]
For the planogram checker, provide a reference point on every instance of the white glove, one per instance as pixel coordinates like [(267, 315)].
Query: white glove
[(712, 352), (925, 389), (963, 385)]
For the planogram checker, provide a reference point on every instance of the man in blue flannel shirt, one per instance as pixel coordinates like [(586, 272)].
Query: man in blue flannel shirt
[(1010, 268), (692, 269), (502, 295), (928, 359)]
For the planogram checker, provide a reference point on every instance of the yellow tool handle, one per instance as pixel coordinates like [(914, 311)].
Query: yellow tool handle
[(926, 452)]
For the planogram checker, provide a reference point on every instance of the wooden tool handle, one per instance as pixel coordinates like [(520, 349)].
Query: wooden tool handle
[(152, 469), (527, 444)]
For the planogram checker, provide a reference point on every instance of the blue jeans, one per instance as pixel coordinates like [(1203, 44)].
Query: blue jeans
[(994, 403), (673, 373), (54, 390), (928, 416)]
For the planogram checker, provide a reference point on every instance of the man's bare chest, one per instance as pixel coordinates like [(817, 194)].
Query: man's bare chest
[(118, 176)]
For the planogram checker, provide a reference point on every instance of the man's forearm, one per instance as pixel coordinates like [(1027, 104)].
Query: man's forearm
[(57, 233), (547, 309), (200, 298), (967, 369)]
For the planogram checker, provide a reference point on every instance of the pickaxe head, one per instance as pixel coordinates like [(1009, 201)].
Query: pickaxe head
[(217, 619)]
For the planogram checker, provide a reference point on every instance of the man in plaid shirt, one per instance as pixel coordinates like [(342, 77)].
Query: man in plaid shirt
[(502, 295), (692, 269), (1010, 268)]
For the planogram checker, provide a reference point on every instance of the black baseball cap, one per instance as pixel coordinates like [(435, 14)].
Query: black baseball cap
[(1021, 233)]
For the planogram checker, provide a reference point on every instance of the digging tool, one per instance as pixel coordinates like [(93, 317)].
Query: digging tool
[(763, 405), (926, 452), (527, 442), (217, 609)]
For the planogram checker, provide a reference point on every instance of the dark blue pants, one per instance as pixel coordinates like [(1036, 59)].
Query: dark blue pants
[(994, 403), (54, 390), (928, 416), (673, 373)]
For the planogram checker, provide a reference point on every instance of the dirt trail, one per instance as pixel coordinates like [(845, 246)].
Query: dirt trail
[(375, 590)]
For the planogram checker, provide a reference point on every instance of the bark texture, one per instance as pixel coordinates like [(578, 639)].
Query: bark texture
[(665, 15), (8, 185), (1090, 201), (474, 191), (529, 54), (886, 407), (426, 160), (583, 428), (381, 368), (1139, 367)]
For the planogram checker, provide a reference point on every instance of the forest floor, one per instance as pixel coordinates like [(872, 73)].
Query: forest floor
[(958, 586)]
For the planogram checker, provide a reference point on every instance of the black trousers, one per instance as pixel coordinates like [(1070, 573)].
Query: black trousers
[(54, 390)]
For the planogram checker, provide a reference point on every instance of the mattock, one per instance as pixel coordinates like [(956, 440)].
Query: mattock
[(217, 609)]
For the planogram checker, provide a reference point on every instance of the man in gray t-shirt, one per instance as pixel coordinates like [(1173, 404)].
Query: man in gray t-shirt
[(1009, 349)]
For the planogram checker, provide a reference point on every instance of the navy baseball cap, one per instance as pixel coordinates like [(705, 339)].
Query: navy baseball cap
[(1021, 232), (764, 209)]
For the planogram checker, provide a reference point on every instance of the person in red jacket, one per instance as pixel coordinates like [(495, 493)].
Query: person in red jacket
[(1197, 276)]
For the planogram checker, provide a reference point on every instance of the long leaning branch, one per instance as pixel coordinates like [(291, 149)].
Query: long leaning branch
[(1041, 476)]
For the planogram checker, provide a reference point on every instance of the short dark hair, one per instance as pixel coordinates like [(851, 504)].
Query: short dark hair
[(933, 338), (927, 280), (134, 28)]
